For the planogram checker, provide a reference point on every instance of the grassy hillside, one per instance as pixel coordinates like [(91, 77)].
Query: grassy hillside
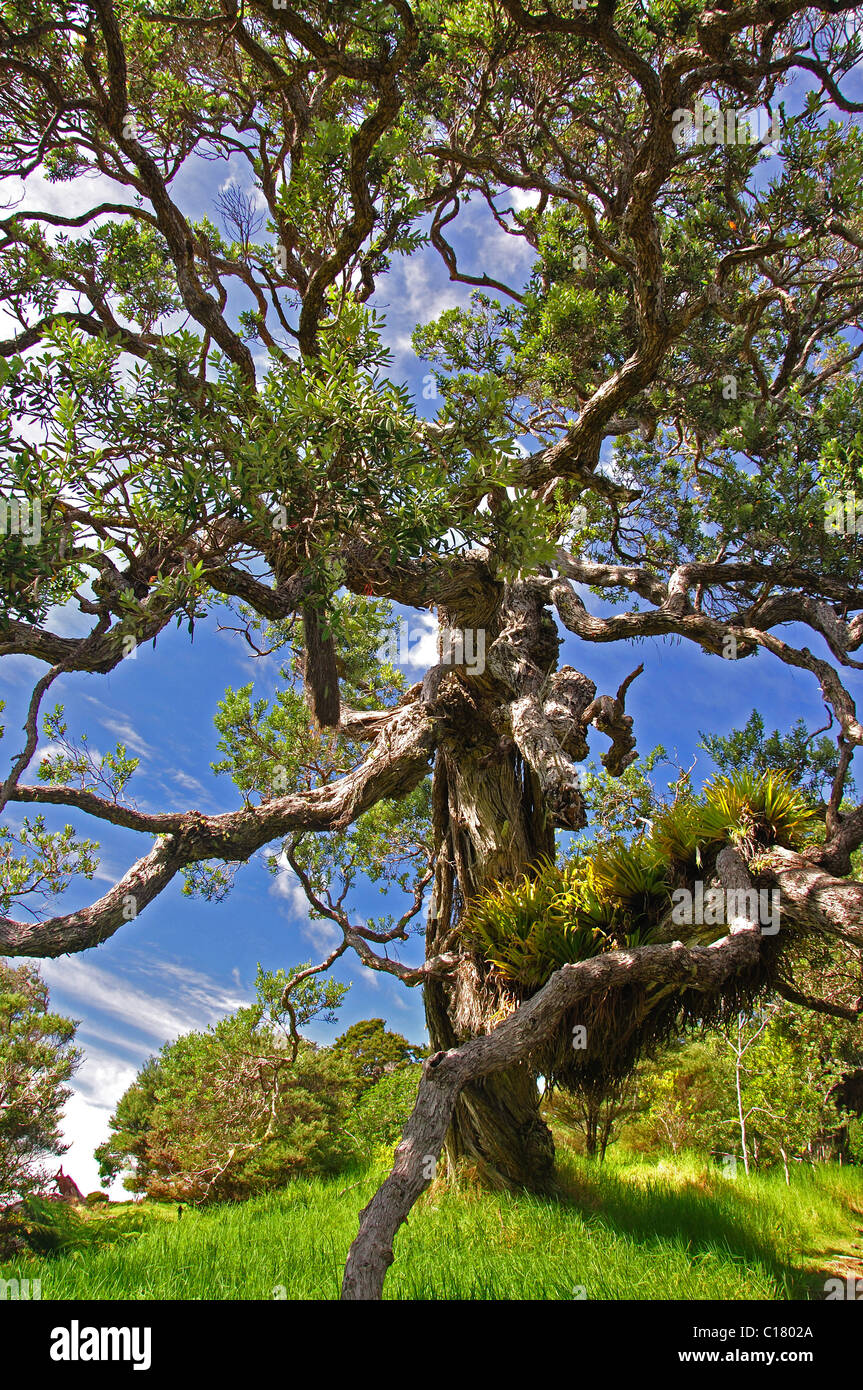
[(673, 1229)]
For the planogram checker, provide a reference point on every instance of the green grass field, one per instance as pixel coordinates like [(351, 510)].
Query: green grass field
[(672, 1229)]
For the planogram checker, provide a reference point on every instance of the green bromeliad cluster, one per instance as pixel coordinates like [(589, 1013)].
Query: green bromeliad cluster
[(616, 896)]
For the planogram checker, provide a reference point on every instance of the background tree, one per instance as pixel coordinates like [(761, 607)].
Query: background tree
[(684, 1097), (375, 1050), (237, 1109), (127, 1150), (643, 440), (37, 1060), (765, 1088), (812, 761), (383, 1110), (794, 1072), (596, 1113)]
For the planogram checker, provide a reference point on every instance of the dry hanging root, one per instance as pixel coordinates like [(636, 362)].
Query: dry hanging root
[(321, 676)]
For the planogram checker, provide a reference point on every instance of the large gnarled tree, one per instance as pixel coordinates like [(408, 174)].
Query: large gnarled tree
[(204, 418)]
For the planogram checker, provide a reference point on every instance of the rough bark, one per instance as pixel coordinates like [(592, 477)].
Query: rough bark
[(812, 896)]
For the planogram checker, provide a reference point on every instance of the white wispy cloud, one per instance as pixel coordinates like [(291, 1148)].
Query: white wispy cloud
[(323, 935), (124, 730), (97, 1086), (118, 723), (67, 620), (53, 750), (187, 782), (187, 999), (66, 199), (21, 670), (88, 1031), (195, 991)]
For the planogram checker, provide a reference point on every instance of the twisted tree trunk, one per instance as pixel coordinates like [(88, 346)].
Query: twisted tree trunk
[(487, 828)]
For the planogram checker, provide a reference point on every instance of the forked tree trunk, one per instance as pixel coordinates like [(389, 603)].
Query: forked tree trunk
[(592, 1112)]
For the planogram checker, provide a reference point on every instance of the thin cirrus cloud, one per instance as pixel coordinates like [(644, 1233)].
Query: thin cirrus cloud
[(187, 782), (118, 723), (90, 1033), (179, 1000), (125, 731)]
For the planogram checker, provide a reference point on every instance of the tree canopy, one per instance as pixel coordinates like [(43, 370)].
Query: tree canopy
[(375, 1050)]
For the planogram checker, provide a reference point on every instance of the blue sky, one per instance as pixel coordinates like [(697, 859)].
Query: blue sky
[(184, 963)]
